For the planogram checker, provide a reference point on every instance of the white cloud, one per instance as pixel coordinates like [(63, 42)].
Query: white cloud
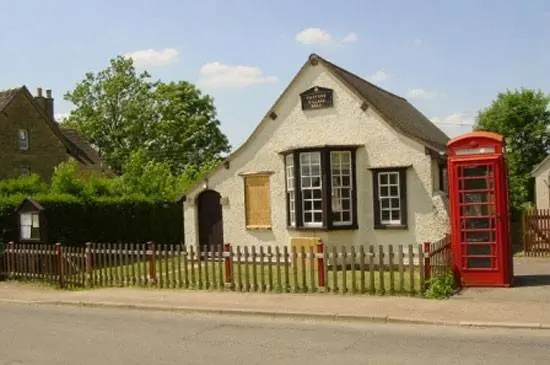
[(153, 58), (417, 42), (379, 76), (350, 38), (219, 75), (455, 119), (421, 94), (314, 36), (322, 37)]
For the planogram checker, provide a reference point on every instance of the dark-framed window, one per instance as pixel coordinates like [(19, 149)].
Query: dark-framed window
[(390, 197), (321, 188), (443, 186), (23, 139)]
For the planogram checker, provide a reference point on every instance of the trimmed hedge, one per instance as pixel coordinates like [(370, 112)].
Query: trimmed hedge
[(73, 221)]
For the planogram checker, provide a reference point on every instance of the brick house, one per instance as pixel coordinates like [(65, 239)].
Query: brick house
[(33, 142)]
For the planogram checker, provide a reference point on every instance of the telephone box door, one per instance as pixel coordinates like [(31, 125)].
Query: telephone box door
[(477, 221)]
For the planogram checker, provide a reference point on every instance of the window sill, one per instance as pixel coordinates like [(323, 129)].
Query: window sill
[(391, 226), (259, 228), (324, 229)]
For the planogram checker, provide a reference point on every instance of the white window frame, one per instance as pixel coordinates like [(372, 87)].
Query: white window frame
[(28, 221), (389, 197), (23, 139), (291, 193), (309, 162), (338, 167)]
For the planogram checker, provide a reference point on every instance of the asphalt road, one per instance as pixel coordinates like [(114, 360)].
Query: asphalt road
[(48, 335)]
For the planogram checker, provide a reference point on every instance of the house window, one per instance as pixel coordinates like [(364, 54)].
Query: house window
[(30, 226), (24, 171), (340, 165), (290, 192), (257, 201), (320, 188), (23, 137), (390, 198), (443, 186), (311, 189)]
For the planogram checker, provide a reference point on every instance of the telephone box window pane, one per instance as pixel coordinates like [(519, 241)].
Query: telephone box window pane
[(478, 223), (478, 197), (478, 250), (479, 236), (476, 210), (479, 262), (476, 171), (475, 184)]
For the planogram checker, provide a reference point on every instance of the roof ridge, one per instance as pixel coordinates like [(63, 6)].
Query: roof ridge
[(358, 77)]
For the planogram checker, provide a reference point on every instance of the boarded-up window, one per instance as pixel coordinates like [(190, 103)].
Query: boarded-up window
[(257, 201)]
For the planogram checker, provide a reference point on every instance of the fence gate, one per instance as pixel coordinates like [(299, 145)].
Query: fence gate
[(536, 232)]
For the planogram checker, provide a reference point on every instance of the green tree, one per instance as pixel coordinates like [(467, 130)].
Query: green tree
[(523, 118), (123, 112)]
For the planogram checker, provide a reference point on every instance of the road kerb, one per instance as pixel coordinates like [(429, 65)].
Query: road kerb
[(286, 314)]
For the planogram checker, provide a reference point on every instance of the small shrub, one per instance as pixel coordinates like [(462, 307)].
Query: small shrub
[(441, 287)]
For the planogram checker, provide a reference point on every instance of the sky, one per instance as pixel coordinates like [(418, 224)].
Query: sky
[(448, 58)]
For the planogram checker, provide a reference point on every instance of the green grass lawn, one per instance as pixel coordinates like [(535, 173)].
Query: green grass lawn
[(176, 273)]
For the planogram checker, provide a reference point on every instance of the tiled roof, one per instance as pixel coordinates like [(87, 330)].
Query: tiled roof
[(79, 141), (6, 96), (402, 115)]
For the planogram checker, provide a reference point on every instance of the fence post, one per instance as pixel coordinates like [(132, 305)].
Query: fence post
[(427, 266), (321, 264), (60, 266), (152, 265), (88, 260), (10, 259), (227, 263)]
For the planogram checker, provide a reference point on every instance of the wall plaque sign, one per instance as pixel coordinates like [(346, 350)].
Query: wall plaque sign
[(316, 98)]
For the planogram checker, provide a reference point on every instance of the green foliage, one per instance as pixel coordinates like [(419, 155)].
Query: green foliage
[(523, 118), (123, 112), (26, 185), (441, 287)]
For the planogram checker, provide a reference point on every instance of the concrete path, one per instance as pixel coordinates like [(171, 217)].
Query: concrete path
[(52, 335), (462, 311)]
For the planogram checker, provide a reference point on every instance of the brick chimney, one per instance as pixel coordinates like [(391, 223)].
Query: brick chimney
[(45, 102)]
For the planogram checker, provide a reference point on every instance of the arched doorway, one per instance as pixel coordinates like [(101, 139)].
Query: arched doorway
[(210, 219)]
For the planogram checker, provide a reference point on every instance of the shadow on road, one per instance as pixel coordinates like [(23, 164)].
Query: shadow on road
[(531, 280)]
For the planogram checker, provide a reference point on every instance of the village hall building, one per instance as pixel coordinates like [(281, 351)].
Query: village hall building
[(335, 158)]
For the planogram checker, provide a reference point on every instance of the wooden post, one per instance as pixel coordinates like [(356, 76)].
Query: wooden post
[(227, 263), (88, 263), (10, 255), (321, 264), (151, 259), (60, 266), (427, 267)]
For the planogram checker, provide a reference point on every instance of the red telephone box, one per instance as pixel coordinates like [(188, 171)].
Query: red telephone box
[(480, 219)]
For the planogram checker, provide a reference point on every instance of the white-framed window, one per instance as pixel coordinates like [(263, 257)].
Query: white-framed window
[(389, 197), (290, 190), (341, 174), (30, 226), (311, 188), (23, 138)]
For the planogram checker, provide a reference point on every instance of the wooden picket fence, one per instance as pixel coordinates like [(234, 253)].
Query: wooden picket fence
[(438, 258), (536, 232), (390, 270)]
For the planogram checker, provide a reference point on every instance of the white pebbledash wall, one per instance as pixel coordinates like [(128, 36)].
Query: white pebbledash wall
[(344, 123), (542, 190)]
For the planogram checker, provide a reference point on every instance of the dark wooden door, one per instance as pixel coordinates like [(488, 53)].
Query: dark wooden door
[(210, 220)]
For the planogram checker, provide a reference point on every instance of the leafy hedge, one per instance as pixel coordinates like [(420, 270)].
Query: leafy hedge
[(74, 221)]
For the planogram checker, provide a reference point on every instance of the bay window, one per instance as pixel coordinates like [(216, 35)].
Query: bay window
[(320, 188)]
